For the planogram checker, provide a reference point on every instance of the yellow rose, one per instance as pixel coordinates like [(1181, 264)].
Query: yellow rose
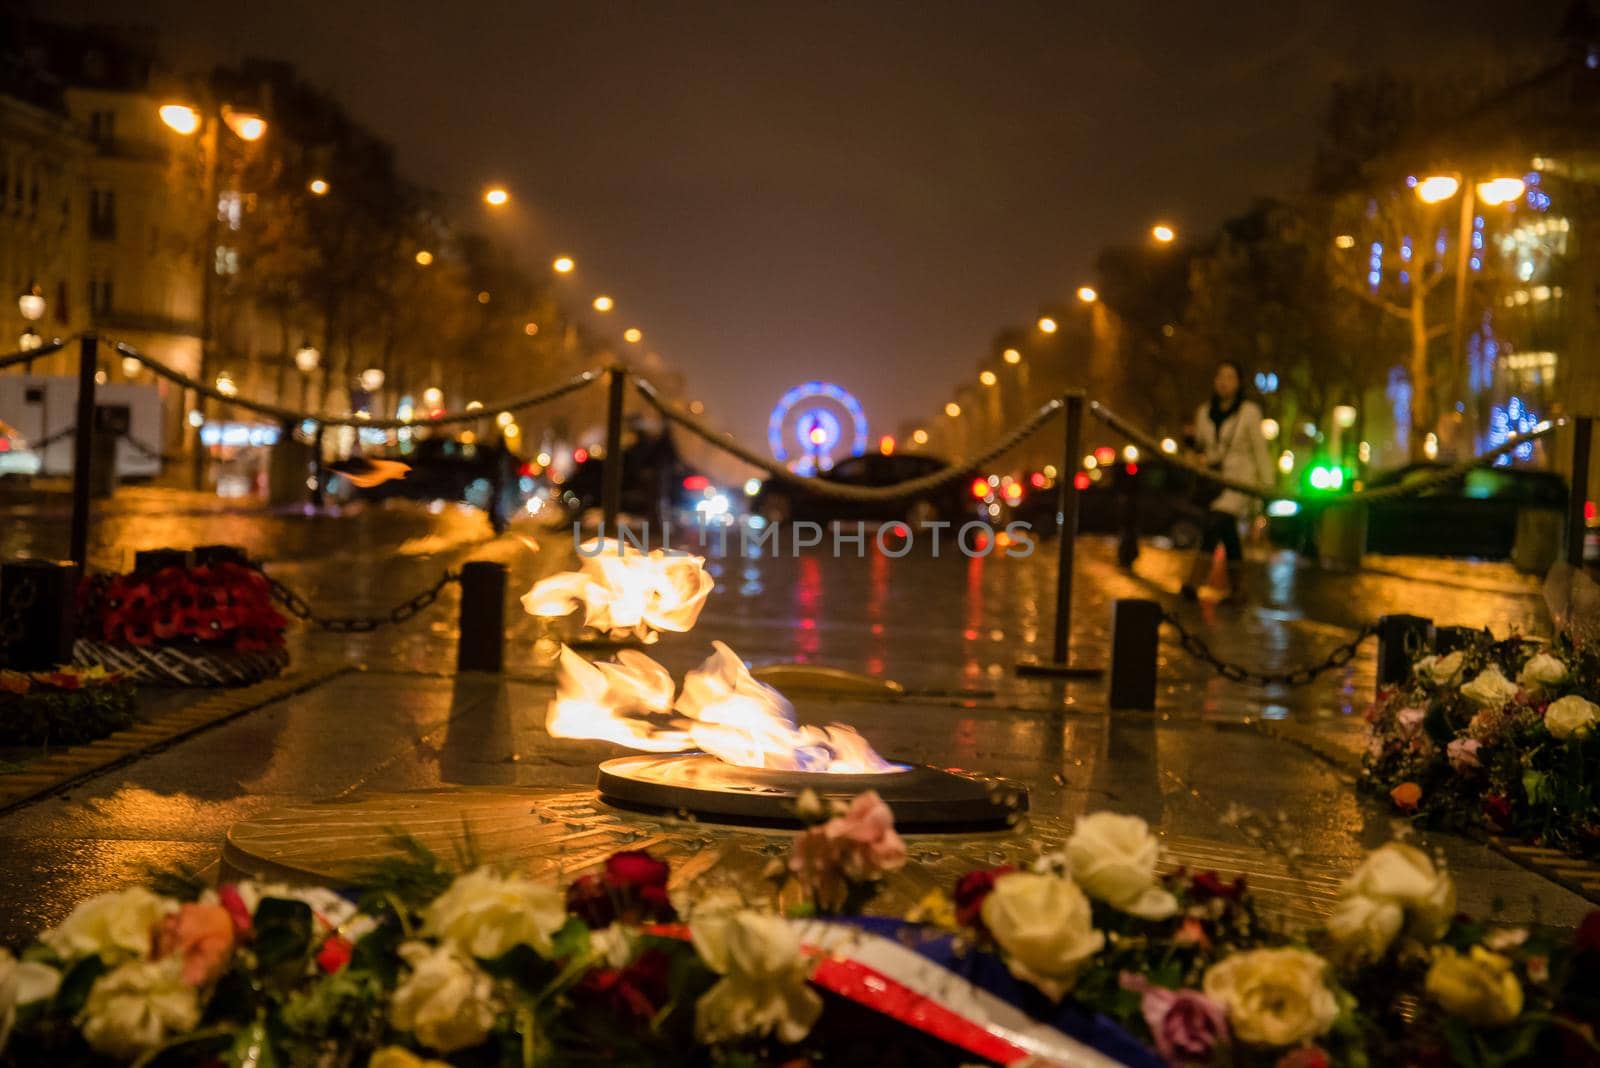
[(1045, 927), (1274, 997), (1480, 987)]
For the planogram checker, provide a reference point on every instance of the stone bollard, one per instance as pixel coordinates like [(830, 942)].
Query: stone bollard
[(146, 561), (1538, 541), (37, 601), (1135, 637), (483, 617), (1401, 639)]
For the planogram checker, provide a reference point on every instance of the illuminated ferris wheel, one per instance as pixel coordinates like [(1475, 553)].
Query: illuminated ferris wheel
[(814, 424)]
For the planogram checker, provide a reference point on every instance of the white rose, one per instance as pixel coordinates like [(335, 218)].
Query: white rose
[(1113, 858), (1044, 925), (763, 988), (1571, 717), (1274, 997), (445, 1001), (1363, 927), (1406, 876), (137, 1006), (485, 913), (22, 982), (1439, 670), (1540, 671), (117, 924), (1490, 689)]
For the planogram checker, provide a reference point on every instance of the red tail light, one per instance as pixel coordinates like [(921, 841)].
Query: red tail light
[(696, 483), (1081, 480), (980, 488)]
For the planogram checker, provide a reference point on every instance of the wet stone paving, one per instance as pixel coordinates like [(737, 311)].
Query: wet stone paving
[(1235, 777)]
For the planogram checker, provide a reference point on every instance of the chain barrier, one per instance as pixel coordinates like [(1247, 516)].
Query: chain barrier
[(1444, 475), (149, 451), (291, 415), (50, 439), (301, 609), (1196, 646), (50, 347), (843, 491)]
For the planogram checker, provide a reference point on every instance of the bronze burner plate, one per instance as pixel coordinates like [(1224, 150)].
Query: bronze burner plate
[(703, 787)]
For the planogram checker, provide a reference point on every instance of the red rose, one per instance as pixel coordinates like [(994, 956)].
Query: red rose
[(1208, 885), (971, 890), (1304, 1057), (638, 991), (632, 887), (590, 901), (334, 954)]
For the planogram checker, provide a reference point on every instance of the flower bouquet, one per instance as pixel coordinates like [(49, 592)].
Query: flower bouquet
[(210, 625), (1497, 737), (1089, 957), (62, 707)]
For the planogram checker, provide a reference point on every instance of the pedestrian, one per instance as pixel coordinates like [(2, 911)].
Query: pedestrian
[(1227, 434)]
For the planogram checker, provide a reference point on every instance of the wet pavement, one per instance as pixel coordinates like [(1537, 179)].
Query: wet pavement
[(951, 629)]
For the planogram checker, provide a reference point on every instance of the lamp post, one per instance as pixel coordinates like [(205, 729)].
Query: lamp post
[(306, 361), (188, 120), (31, 305), (1491, 191)]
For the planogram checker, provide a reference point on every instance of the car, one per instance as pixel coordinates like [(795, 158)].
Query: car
[(1474, 514), (778, 501), (16, 457), (440, 469), (1160, 494), (656, 483)]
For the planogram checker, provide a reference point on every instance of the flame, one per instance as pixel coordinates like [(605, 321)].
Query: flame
[(626, 593), (723, 710), (376, 473)]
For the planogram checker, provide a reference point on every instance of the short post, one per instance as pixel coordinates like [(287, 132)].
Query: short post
[(611, 471), (1401, 639), (316, 468), (1578, 490), (210, 555), (146, 561), (1135, 637), (483, 616), (37, 598), (83, 451)]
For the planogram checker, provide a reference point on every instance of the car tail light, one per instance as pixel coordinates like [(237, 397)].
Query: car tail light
[(580, 456), (980, 488), (696, 483), (1081, 480), (1105, 456), (1588, 509)]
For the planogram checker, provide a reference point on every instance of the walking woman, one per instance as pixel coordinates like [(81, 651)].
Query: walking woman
[(1227, 433)]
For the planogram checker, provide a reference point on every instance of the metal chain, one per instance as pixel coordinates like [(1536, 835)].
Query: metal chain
[(301, 609), (49, 348), (291, 415), (1148, 442), (1196, 647), (822, 487)]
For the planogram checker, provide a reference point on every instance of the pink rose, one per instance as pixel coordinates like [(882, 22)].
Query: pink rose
[(854, 848), (202, 935), (1410, 720), (1463, 754), (1187, 1025)]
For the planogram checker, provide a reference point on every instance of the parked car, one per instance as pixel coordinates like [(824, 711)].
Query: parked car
[(1473, 515), (779, 502), (16, 457), (440, 469), (655, 480), (1160, 494)]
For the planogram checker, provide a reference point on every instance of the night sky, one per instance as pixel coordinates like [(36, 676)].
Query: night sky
[(863, 192)]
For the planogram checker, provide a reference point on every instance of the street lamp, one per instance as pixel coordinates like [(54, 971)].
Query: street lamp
[(306, 357), (603, 303), (319, 187), (1011, 356), (496, 196), (919, 436), (563, 265), (372, 379), (31, 303), (226, 385), (633, 335), (1437, 187), (424, 257), (1163, 233), (432, 398), (953, 410), (1087, 294), (180, 117), (988, 378), (1047, 325)]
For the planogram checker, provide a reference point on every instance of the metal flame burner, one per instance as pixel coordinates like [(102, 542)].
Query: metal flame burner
[(698, 785)]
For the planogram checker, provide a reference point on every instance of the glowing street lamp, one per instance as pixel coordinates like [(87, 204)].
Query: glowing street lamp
[(226, 385), (496, 196), (31, 303), (1087, 294), (953, 410), (1163, 233), (180, 118), (633, 335), (319, 187), (919, 436), (563, 265), (1011, 356), (306, 357), (424, 257), (1047, 325), (603, 303), (432, 397), (1437, 187), (1497, 191), (988, 378), (372, 379), (246, 125)]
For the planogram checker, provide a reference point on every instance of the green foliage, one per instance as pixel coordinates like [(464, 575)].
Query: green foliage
[(48, 716)]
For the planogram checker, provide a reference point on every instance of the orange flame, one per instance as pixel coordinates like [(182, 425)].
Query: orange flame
[(376, 473), (723, 710), (625, 592)]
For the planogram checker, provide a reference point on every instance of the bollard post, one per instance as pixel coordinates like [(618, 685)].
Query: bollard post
[(83, 452), (1401, 639), (316, 469), (483, 616), (207, 555), (150, 560), (1135, 637), (611, 471), (1066, 547), (37, 601), (1578, 490)]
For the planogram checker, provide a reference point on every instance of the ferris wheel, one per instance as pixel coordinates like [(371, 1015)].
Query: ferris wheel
[(814, 424)]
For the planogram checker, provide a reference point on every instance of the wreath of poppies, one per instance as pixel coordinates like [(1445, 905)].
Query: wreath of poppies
[(223, 606)]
